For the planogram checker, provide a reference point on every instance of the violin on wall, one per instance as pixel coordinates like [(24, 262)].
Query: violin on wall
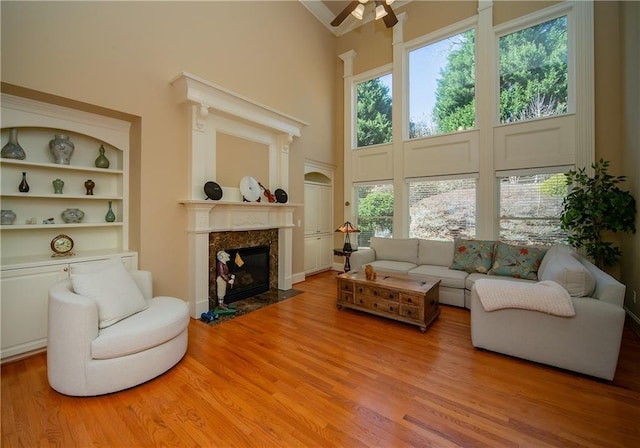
[(270, 196)]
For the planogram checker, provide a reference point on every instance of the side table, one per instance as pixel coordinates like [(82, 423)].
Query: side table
[(346, 254)]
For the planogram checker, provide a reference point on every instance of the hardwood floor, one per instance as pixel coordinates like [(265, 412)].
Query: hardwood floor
[(302, 373)]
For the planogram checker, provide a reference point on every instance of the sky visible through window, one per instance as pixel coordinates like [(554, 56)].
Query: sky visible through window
[(425, 64)]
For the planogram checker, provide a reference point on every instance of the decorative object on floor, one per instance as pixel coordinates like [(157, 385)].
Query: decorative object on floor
[(356, 9), (347, 228), (254, 303), (223, 278), (213, 191), (24, 186), (102, 161), (7, 217), (595, 206), (58, 184), (267, 193), (89, 185), (62, 245), (110, 216), (250, 189), (72, 215), (281, 196), (13, 150), (62, 149), (208, 317), (369, 272)]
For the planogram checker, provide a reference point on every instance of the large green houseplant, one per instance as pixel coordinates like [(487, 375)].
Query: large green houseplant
[(594, 206)]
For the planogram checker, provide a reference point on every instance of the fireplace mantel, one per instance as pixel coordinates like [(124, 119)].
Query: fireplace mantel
[(212, 109)]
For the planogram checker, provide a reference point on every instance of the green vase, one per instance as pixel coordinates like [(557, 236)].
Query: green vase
[(58, 184), (110, 216), (102, 161)]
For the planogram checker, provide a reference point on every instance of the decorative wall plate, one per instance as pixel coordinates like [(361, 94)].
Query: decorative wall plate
[(213, 190), (281, 196), (250, 189)]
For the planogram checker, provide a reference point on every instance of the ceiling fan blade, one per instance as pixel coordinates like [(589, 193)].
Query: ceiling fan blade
[(345, 13), (390, 19)]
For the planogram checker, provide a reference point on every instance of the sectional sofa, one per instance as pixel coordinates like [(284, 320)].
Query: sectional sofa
[(587, 342)]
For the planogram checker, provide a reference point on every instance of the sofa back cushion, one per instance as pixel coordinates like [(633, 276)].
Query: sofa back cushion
[(435, 253), (561, 265), (472, 255), (395, 249)]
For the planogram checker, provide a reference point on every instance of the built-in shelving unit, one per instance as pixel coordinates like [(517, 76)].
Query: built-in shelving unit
[(27, 266)]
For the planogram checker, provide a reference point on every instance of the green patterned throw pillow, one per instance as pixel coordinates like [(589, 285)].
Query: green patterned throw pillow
[(472, 255), (517, 261)]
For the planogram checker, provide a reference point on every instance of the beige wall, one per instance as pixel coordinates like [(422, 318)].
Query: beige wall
[(122, 55)]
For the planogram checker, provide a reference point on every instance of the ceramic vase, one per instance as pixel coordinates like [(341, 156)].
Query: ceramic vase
[(102, 161), (72, 215), (7, 217), (62, 149), (89, 184), (13, 150), (24, 186), (58, 184), (110, 216)]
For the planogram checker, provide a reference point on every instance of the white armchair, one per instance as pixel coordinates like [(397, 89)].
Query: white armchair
[(85, 360)]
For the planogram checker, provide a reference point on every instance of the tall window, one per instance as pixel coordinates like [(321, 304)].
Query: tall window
[(442, 209), (373, 104), (442, 86), (530, 208), (533, 72), (374, 212)]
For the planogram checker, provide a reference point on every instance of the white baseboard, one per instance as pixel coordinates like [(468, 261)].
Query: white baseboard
[(633, 317), (298, 277)]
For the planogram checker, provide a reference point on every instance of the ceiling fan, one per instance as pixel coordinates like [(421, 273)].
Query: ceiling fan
[(356, 9)]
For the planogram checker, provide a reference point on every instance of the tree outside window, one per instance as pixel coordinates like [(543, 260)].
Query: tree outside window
[(374, 103), (374, 212), (442, 86), (534, 72)]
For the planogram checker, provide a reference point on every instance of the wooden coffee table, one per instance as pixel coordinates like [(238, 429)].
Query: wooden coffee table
[(394, 296)]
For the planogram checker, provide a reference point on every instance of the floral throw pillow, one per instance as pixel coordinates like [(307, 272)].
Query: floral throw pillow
[(472, 255), (517, 261)]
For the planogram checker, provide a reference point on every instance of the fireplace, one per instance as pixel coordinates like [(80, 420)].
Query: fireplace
[(250, 269), (253, 259)]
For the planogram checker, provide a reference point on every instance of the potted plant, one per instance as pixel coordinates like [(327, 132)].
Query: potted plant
[(594, 206)]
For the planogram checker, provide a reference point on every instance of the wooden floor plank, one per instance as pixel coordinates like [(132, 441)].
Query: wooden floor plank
[(302, 373)]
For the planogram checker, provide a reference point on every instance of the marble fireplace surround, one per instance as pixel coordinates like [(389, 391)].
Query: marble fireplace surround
[(212, 109)]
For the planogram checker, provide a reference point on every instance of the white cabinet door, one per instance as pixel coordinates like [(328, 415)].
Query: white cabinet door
[(325, 210), (310, 257), (310, 209), (325, 252), (318, 253), (24, 307)]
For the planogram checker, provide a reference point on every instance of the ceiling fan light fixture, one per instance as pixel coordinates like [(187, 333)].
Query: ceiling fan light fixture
[(380, 12), (388, 2), (358, 12)]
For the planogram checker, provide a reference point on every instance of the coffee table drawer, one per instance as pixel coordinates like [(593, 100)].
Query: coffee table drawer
[(376, 304)]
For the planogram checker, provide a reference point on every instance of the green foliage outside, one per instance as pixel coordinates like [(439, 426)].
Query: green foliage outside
[(595, 206), (375, 213), (374, 113), (556, 185)]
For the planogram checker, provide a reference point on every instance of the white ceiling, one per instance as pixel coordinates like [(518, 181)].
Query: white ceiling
[(326, 10)]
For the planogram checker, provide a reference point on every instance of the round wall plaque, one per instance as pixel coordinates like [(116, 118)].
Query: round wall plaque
[(213, 190), (281, 196)]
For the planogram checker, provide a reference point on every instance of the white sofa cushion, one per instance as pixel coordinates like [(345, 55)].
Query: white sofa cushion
[(163, 320), (448, 277), (435, 253), (396, 249), (111, 286), (392, 266), (560, 265)]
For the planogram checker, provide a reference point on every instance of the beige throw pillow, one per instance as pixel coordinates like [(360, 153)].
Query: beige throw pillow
[(111, 286)]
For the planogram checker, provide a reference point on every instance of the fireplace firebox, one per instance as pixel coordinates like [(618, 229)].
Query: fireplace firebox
[(250, 266)]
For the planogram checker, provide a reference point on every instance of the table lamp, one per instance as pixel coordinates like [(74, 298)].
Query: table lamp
[(347, 228)]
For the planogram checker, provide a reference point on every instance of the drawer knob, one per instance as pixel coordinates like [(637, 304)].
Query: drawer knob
[(390, 296), (408, 313), (375, 305), (375, 293), (432, 301), (409, 300), (360, 300), (360, 290), (390, 308)]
